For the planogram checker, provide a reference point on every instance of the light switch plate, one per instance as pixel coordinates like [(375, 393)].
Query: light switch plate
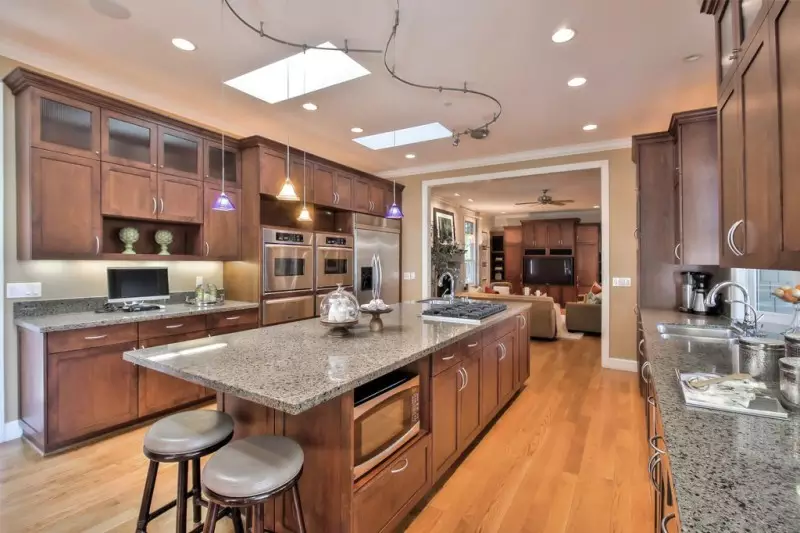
[(413, 275), (406, 276), (24, 290), (621, 282)]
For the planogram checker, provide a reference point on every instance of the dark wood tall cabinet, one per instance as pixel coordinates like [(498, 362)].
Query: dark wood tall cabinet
[(512, 256)]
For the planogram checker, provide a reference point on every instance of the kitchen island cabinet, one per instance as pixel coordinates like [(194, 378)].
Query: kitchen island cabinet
[(308, 394)]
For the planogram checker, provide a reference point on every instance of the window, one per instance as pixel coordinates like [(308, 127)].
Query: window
[(471, 254), (760, 284)]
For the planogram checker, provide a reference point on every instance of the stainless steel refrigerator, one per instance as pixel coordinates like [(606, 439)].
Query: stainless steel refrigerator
[(379, 238)]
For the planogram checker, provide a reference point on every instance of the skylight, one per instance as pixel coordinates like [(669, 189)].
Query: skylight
[(415, 134), (306, 72)]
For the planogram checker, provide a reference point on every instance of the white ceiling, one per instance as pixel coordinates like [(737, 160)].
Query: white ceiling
[(497, 197), (629, 50)]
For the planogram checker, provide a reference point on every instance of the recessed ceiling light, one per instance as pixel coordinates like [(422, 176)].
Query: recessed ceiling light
[(183, 44), (308, 106), (576, 82), (563, 35), (302, 73), (502, 212), (692, 58), (456, 194), (357, 130), (415, 134), (597, 207), (410, 156), (590, 127), (469, 199)]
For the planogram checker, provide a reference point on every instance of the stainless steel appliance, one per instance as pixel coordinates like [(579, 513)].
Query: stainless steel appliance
[(699, 304), (386, 416), (334, 253), (288, 309), (377, 238), (288, 260), (687, 291)]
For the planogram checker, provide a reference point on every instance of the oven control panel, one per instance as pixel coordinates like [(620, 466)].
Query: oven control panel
[(333, 240), (284, 236), (289, 237)]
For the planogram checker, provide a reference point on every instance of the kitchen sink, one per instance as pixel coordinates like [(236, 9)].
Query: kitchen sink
[(704, 333)]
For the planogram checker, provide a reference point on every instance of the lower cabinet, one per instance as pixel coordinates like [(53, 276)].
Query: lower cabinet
[(469, 411), (445, 410), (523, 349), (506, 367), (489, 381)]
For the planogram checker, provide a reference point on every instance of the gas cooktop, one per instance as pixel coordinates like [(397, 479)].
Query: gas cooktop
[(463, 312)]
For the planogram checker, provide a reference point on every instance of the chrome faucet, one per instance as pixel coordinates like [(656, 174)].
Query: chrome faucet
[(449, 272), (750, 325)]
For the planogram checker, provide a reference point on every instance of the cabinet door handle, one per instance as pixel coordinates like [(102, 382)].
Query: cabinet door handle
[(463, 380), (524, 320), (96, 245), (154, 165), (473, 345), (636, 310), (174, 326), (155, 206), (653, 441), (641, 344), (208, 249), (448, 358), (677, 248), (656, 461), (466, 378), (636, 233), (95, 337), (665, 521), (647, 366), (732, 242), (400, 469), (237, 317), (503, 349), (162, 205)]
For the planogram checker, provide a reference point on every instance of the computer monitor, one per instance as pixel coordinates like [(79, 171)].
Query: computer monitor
[(137, 284)]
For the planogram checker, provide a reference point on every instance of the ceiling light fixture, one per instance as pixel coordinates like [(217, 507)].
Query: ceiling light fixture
[(357, 130), (309, 106), (411, 156), (590, 127), (470, 199), (692, 58), (576, 82), (502, 212), (222, 202), (304, 215), (183, 44), (562, 35), (394, 211), (288, 193), (456, 194)]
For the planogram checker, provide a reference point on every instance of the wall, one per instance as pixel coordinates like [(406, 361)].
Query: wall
[(622, 215), (586, 217), (60, 279), (459, 213)]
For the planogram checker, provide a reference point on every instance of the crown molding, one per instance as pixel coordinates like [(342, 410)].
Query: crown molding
[(516, 157)]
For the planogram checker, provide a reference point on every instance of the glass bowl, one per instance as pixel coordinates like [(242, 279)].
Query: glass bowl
[(339, 307)]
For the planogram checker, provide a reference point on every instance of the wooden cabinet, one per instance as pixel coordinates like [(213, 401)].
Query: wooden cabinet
[(88, 391), (378, 196), (469, 411), (158, 392), (221, 229), (490, 398), (61, 186), (512, 256), (506, 367), (128, 141), (370, 197), (332, 187), (180, 199), (445, 410), (569, 293), (361, 196), (61, 124), (129, 192), (534, 234), (343, 189), (567, 234), (523, 349), (587, 257), (215, 157), (179, 153), (737, 24)]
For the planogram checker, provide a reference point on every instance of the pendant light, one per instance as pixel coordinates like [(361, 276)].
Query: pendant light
[(287, 191), (394, 211), (304, 215), (222, 202)]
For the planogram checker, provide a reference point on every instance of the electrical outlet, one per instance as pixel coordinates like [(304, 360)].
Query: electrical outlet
[(621, 282), (23, 290)]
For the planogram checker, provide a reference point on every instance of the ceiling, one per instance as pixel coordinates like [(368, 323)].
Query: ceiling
[(629, 50), (497, 197)]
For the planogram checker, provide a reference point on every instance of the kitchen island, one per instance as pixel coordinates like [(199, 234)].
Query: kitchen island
[(729, 472), (296, 380)]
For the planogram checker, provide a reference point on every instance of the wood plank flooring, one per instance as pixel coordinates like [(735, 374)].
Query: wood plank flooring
[(569, 455)]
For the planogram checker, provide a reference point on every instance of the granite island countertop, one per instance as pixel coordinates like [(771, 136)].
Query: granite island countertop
[(294, 367), (90, 319), (732, 473)]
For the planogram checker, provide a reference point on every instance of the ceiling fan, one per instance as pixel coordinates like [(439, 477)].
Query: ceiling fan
[(546, 199)]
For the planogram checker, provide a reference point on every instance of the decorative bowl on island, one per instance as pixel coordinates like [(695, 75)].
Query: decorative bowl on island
[(339, 311)]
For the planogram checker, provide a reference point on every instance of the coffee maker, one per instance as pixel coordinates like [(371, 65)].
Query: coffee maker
[(702, 280)]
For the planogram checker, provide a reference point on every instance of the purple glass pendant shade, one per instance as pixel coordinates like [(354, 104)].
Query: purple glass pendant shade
[(223, 203), (394, 212)]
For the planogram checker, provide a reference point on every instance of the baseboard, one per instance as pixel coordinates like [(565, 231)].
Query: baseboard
[(615, 363), (12, 430)]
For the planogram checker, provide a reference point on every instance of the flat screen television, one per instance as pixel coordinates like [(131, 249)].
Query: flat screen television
[(137, 284), (547, 270)]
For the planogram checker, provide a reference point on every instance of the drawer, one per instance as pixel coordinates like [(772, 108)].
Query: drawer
[(472, 343), (446, 357), (500, 330), (378, 502), (171, 326), (80, 339), (232, 318), (289, 309)]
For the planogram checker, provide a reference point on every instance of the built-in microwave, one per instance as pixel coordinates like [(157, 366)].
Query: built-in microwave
[(334, 259), (386, 417)]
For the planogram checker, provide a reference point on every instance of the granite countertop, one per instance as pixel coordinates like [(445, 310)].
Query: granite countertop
[(90, 319), (294, 367), (732, 473)]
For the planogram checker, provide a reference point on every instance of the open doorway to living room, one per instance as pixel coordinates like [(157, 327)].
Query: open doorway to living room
[(535, 236)]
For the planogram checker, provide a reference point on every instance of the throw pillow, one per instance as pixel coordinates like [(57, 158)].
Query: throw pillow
[(593, 298), (596, 288)]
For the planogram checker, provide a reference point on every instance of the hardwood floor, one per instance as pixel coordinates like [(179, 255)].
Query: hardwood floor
[(568, 455)]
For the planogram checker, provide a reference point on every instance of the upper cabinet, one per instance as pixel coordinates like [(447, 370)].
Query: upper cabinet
[(737, 22), (62, 124), (128, 141), (332, 187), (179, 153), (220, 161)]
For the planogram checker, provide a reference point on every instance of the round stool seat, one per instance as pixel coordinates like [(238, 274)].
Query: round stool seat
[(253, 466), (188, 432)]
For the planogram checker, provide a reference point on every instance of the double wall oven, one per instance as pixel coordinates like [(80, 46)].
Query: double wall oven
[(288, 275)]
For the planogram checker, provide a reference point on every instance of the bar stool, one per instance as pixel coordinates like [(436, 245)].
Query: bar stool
[(182, 437), (250, 471)]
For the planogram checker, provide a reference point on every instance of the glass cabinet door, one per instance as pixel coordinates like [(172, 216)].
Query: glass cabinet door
[(65, 125), (727, 41), (179, 153), (214, 163), (750, 13), (129, 141)]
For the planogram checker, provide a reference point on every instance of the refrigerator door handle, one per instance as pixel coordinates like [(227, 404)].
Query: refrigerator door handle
[(380, 275)]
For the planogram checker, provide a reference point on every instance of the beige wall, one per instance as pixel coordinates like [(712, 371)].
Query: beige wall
[(622, 223), (459, 213), (60, 279)]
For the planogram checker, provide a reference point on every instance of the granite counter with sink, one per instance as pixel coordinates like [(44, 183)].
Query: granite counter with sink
[(731, 473)]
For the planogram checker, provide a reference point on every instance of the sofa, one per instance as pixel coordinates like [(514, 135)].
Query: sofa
[(584, 317)]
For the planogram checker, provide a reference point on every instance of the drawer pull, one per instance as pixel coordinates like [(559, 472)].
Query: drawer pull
[(232, 317), (653, 444), (473, 345), (400, 469), (95, 337), (655, 462), (174, 326), (665, 521), (646, 365), (448, 358)]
